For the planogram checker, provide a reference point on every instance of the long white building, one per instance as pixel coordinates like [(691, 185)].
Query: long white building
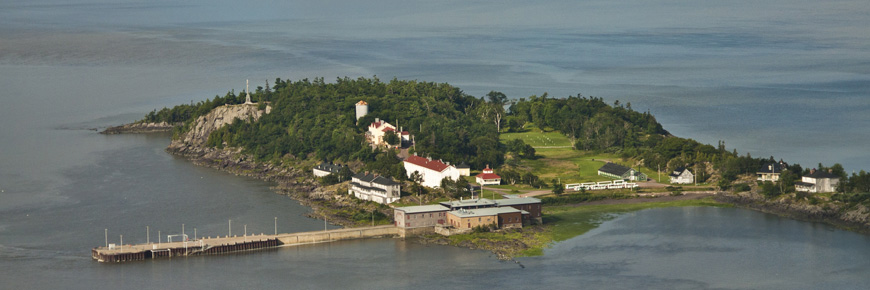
[(432, 171)]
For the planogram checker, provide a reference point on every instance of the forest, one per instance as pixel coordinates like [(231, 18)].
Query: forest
[(314, 119)]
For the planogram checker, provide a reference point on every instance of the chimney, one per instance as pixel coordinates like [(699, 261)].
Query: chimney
[(367, 172), (812, 171), (831, 170), (377, 120)]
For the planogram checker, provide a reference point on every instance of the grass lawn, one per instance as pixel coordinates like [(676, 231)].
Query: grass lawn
[(538, 138), (567, 164)]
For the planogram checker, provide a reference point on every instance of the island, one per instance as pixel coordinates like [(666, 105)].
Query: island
[(446, 167)]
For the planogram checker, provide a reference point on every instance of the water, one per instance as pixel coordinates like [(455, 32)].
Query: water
[(774, 78)]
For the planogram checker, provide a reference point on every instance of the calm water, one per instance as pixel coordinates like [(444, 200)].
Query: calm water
[(777, 78)]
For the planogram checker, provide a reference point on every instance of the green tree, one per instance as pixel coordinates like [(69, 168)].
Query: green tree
[(417, 179), (392, 138), (557, 187)]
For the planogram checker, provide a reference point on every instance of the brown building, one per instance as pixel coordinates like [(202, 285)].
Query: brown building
[(529, 205), (504, 217), (420, 216)]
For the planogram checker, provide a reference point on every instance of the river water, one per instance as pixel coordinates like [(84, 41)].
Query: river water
[(777, 78)]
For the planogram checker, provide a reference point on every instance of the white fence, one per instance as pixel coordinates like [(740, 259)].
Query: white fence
[(616, 184)]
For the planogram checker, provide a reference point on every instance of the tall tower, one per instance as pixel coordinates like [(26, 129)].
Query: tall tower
[(362, 108), (248, 93)]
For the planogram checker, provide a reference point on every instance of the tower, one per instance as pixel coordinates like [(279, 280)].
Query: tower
[(362, 109), (248, 93)]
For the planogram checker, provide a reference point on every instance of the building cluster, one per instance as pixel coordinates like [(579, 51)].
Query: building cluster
[(383, 189), (815, 182), (464, 215), (379, 128)]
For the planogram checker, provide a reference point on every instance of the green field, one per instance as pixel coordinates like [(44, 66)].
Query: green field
[(537, 138), (558, 159)]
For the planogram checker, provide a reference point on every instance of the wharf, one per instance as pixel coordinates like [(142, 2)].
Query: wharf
[(220, 245)]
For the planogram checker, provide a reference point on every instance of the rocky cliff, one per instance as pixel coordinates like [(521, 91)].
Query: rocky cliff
[(217, 118)]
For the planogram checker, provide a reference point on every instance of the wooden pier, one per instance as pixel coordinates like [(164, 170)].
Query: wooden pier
[(221, 245)]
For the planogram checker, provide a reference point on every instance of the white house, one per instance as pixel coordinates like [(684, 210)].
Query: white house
[(374, 187), (488, 177), (379, 128), (432, 171), (770, 172), (682, 176), (818, 181)]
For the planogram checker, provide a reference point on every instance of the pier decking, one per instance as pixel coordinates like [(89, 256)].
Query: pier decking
[(220, 245)]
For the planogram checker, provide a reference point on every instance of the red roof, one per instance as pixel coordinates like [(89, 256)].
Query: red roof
[(487, 176), (426, 163), (388, 129)]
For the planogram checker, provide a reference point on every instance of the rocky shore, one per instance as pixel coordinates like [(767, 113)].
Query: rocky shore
[(139, 127), (326, 202), (850, 217)]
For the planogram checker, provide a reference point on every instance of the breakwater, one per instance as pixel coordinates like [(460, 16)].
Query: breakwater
[(221, 245)]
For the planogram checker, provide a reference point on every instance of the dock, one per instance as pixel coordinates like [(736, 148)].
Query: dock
[(222, 245)]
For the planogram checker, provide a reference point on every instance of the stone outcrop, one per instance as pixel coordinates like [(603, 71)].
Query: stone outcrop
[(141, 127), (217, 118)]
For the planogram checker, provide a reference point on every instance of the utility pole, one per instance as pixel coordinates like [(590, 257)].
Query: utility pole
[(147, 234), (107, 238), (158, 237), (183, 236), (122, 241), (276, 226), (194, 234), (231, 229)]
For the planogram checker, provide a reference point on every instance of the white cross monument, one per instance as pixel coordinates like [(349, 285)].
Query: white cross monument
[(248, 92)]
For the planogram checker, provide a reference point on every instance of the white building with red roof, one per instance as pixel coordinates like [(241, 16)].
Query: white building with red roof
[(432, 171), (379, 128), (488, 177)]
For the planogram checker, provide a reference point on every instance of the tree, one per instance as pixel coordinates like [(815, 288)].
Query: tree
[(529, 152), (392, 138), (461, 188), (344, 174), (557, 187), (417, 180), (497, 101), (448, 186)]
